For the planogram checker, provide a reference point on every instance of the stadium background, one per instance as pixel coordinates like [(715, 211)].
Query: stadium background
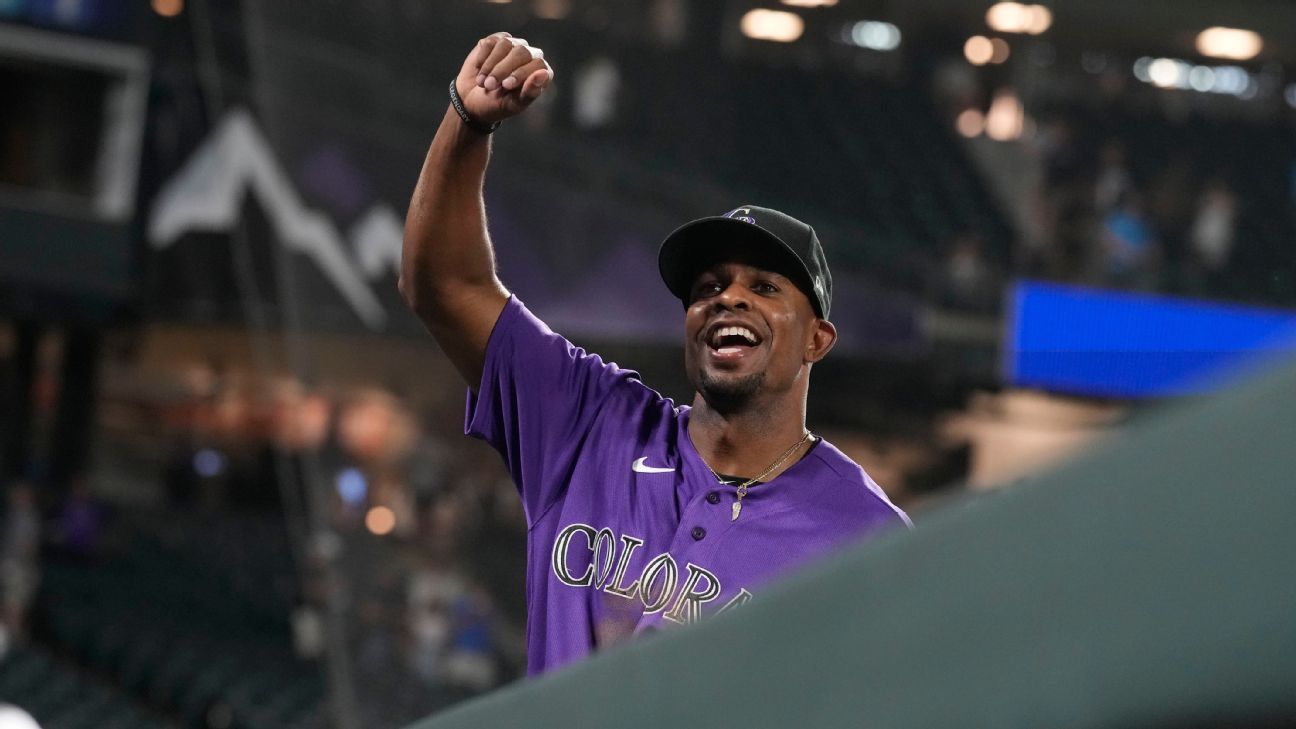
[(236, 492)]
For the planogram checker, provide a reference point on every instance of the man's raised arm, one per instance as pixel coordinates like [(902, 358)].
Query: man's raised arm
[(447, 267)]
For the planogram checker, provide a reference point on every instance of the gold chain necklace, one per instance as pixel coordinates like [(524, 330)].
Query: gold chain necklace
[(742, 487)]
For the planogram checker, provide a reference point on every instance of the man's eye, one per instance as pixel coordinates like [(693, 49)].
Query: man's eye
[(765, 287), (707, 289)]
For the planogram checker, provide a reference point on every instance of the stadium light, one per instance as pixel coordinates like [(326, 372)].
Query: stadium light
[(208, 463), (1176, 73), (999, 50), (1201, 78), (810, 3), (873, 35), (352, 486), (1141, 69), (1006, 118), (970, 123), (1007, 17), (1039, 19), (168, 8), (1167, 72), (551, 9), (1013, 17), (1234, 44), (978, 50), (380, 520), (772, 25)]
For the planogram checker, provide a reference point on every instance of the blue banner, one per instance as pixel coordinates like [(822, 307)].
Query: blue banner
[(1110, 344)]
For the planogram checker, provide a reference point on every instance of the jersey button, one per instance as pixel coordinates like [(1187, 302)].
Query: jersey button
[(698, 533), (713, 497)]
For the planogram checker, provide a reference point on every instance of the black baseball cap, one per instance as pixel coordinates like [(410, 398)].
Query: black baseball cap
[(782, 243)]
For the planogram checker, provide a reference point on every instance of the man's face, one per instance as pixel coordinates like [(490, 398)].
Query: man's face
[(748, 330)]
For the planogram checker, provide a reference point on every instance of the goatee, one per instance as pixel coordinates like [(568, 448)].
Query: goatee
[(729, 394)]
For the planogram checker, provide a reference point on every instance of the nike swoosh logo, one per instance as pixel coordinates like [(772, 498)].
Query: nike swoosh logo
[(639, 467)]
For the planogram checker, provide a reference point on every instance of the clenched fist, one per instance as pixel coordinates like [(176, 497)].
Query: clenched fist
[(501, 77)]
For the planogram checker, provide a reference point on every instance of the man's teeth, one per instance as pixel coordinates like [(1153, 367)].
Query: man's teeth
[(723, 332)]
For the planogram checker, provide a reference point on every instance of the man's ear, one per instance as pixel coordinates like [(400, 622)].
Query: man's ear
[(821, 341)]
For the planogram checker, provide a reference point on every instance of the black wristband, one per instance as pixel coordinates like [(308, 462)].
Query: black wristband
[(468, 121)]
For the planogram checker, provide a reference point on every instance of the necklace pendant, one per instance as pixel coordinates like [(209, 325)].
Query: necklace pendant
[(737, 508)]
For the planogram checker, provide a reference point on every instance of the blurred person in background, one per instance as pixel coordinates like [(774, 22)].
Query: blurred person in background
[(1171, 202), (1113, 182), (19, 560), (579, 434), (1212, 235), (79, 524), (965, 279), (430, 591), (1291, 190), (1128, 250), (1065, 206), (597, 84), (471, 661)]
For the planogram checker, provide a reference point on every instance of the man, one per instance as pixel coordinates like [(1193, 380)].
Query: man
[(641, 513)]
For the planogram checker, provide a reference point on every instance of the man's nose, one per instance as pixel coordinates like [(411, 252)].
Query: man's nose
[(734, 296)]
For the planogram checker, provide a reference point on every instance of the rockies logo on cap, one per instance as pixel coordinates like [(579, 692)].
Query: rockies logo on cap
[(745, 217)]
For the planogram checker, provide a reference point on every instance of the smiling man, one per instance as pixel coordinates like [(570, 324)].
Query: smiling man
[(642, 513)]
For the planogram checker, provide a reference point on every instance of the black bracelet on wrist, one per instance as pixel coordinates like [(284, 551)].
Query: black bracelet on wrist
[(468, 121)]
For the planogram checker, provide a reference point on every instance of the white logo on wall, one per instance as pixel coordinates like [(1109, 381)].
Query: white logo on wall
[(207, 195)]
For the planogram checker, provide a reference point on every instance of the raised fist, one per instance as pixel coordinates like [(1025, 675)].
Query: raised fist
[(501, 77)]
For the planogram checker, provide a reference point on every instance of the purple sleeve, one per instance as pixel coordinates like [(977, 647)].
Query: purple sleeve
[(537, 401)]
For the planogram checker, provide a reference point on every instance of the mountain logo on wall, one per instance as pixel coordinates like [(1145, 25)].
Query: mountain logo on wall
[(206, 195)]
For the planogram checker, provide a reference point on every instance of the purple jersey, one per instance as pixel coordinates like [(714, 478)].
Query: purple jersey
[(628, 528)]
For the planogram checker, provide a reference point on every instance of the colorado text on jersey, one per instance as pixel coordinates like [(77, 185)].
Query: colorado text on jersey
[(656, 585)]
